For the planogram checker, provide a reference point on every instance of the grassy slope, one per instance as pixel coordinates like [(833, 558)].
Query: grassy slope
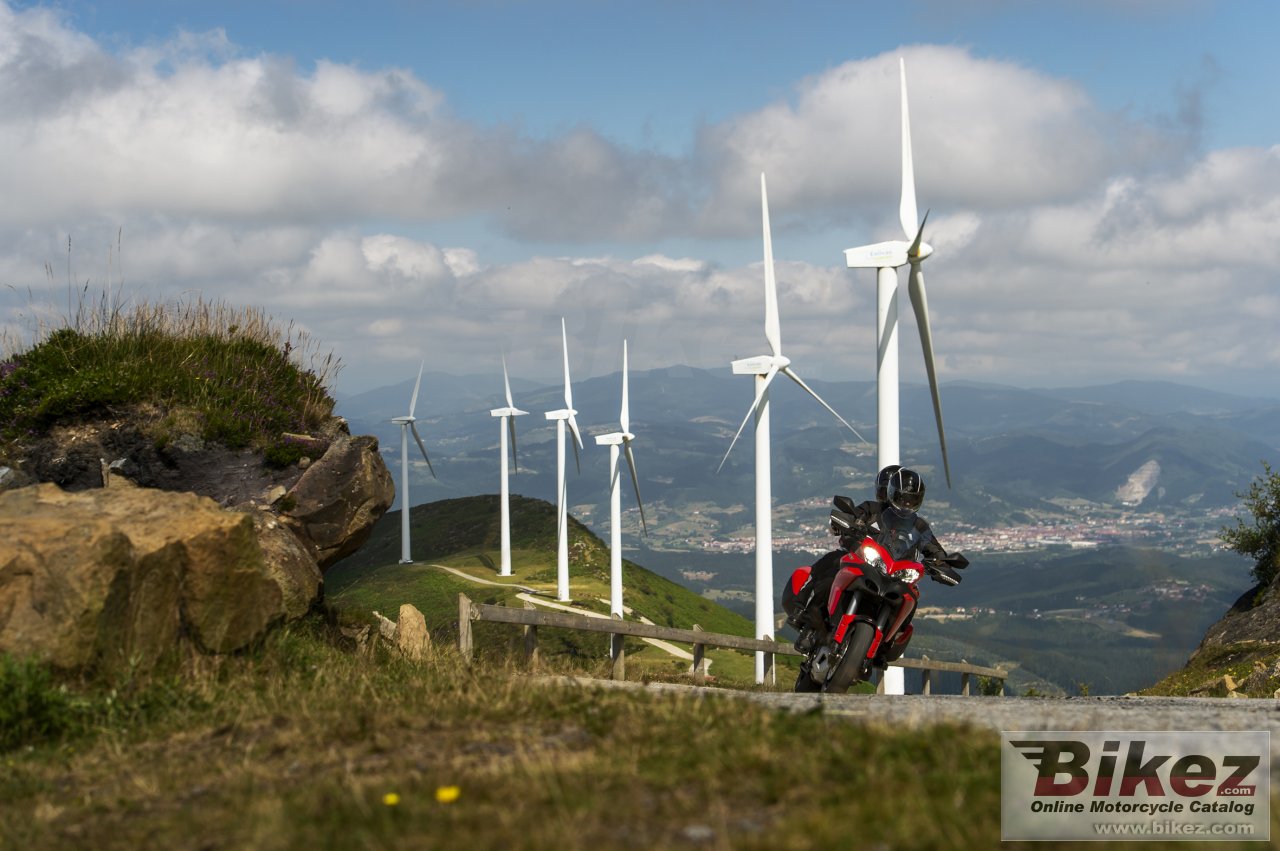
[(463, 534)]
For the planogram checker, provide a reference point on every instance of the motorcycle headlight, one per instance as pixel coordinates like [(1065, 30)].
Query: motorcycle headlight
[(872, 557), (909, 575)]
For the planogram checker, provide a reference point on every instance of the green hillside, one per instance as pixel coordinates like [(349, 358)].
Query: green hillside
[(462, 536)]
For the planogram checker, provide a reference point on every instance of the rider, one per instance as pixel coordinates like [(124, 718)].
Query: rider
[(892, 519)]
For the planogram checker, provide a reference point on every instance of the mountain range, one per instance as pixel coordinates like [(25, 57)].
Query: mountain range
[(1141, 445)]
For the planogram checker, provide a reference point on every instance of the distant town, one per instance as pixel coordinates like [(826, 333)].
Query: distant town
[(802, 527)]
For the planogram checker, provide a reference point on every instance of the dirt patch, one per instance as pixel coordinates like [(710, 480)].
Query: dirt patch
[(90, 454)]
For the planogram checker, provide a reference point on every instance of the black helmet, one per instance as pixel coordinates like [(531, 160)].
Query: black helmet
[(906, 491), (882, 482)]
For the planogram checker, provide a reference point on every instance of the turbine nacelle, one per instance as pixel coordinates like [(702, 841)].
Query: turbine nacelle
[(885, 255), (760, 365), (507, 412)]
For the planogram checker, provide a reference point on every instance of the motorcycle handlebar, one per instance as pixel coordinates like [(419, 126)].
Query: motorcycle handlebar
[(942, 573)]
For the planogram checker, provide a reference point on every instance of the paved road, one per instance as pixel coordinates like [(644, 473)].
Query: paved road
[(1020, 713)]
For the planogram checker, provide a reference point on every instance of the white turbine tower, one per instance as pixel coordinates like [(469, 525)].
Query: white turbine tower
[(565, 414), (619, 442), (407, 425), (886, 258), (765, 368), (506, 426)]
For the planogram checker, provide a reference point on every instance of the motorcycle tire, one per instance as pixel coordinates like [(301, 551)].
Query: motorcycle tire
[(849, 669)]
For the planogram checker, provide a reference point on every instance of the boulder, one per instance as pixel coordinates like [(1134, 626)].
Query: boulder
[(412, 638), (336, 501), (120, 577)]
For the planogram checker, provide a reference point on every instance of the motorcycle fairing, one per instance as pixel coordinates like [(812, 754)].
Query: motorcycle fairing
[(799, 578), (854, 572)]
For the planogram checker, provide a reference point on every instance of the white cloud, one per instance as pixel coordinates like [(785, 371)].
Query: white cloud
[(985, 133), (1072, 245)]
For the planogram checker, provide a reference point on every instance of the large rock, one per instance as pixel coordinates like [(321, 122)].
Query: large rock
[(289, 563), (337, 500), (119, 577)]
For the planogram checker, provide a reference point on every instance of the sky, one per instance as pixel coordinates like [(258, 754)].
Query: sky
[(448, 180)]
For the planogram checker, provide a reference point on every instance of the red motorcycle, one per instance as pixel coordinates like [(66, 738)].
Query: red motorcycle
[(865, 623)]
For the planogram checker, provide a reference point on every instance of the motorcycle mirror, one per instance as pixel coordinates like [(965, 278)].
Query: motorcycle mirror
[(843, 503), (957, 561)]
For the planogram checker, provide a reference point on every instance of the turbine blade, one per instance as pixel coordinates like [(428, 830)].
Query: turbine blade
[(635, 483), (506, 382), (416, 437), (568, 388), (772, 325), (413, 400), (511, 432), (624, 418), (907, 210), (920, 304), (761, 390), (790, 373), (914, 251), (576, 442)]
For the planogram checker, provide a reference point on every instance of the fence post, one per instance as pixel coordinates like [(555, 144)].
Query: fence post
[(464, 627), (880, 683), (530, 640), (617, 653), (964, 679), (699, 667), (926, 678)]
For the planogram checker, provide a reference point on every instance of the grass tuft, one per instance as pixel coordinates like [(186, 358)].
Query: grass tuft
[(231, 375)]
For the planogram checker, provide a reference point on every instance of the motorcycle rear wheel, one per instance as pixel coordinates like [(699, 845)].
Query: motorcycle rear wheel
[(849, 669)]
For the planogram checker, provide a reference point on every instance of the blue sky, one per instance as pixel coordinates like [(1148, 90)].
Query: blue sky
[(439, 180)]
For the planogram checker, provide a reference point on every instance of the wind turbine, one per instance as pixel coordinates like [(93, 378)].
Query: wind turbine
[(565, 415), (407, 425), (508, 425), (619, 442), (765, 368), (886, 258)]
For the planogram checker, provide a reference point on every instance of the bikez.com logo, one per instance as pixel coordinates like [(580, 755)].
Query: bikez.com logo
[(1065, 768)]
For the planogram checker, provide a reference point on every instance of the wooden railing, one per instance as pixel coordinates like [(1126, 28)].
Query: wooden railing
[(531, 618)]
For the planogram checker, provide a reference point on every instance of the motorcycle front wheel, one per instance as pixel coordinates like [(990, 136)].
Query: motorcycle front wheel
[(849, 668)]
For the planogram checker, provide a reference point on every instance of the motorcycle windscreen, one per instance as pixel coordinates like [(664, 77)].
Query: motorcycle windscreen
[(899, 535)]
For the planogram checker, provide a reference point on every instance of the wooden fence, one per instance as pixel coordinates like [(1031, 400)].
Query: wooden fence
[(531, 618)]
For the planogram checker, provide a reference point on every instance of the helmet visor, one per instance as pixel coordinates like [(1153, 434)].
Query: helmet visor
[(908, 500)]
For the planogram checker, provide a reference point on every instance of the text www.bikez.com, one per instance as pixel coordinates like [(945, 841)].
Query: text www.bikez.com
[(1173, 828)]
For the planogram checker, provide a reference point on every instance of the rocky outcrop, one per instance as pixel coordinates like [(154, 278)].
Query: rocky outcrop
[(127, 550), (1255, 617), (118, 578)]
